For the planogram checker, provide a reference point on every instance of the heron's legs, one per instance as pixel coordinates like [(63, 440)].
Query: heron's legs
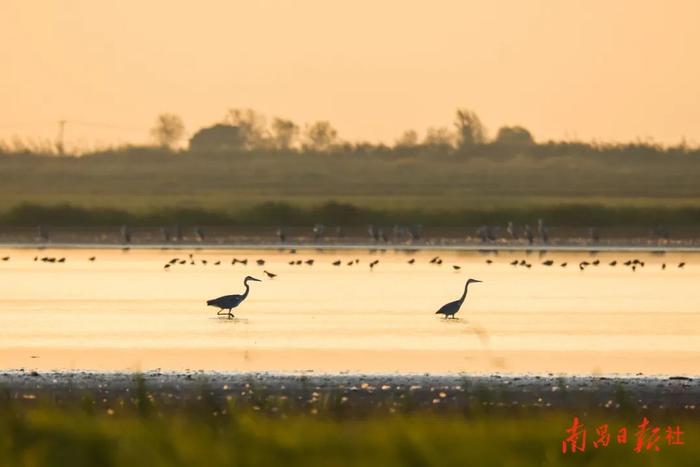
[(219, 312)]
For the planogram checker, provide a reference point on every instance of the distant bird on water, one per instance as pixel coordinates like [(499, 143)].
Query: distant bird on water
[(450, 309), (270, 274), (228, 302)]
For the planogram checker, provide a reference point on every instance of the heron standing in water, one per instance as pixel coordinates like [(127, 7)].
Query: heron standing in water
[(228, 302), (450, 309)]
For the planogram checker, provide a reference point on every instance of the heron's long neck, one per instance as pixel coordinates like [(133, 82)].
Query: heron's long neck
[(247, 289), (464, 295)]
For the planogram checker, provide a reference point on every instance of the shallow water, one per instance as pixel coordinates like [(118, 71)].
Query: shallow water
[(125, 312)]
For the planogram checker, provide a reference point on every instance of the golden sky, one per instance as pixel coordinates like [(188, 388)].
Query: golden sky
[(566, 69)]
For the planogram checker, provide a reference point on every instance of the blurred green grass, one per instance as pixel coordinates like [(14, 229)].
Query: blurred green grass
[(73, 437), (142, 179), (146, 186)]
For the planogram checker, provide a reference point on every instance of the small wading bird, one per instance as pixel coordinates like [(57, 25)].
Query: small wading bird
[(450, 309), (228, 302)]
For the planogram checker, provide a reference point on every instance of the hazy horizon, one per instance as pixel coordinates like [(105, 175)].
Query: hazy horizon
[(565, 70)]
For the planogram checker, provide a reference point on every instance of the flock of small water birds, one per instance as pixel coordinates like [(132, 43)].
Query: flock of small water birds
[(228, 302)]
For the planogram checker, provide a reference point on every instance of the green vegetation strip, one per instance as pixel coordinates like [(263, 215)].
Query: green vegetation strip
[(333, 213)]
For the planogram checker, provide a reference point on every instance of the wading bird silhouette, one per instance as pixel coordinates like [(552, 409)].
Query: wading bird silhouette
[(450, 309), (228, 302)]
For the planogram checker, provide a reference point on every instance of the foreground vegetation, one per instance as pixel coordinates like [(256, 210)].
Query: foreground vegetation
[(79, 437)]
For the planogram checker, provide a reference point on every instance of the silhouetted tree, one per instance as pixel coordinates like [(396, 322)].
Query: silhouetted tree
[(470, 130), (514, 136), (320, 136), (168, 130), (284, 133), (408, 139), (440, 136), (252, 126)]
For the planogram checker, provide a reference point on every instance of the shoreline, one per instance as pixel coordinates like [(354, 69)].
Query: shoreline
[(360, 246), (363, 392)]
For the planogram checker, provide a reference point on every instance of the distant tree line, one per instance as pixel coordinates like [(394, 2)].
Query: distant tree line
[(245, 129)]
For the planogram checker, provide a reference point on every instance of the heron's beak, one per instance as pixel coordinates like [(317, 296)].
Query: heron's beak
[(475, 280), (254, 279)]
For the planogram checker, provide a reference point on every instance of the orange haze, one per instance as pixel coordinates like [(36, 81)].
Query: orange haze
[(574, 69)]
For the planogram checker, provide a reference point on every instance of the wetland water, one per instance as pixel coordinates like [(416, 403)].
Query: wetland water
[(125, 312)]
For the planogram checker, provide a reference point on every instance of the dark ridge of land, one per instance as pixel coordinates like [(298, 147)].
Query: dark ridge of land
[(339, 218), (467, 236)]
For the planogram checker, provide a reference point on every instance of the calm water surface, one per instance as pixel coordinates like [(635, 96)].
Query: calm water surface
[(125, 312)]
